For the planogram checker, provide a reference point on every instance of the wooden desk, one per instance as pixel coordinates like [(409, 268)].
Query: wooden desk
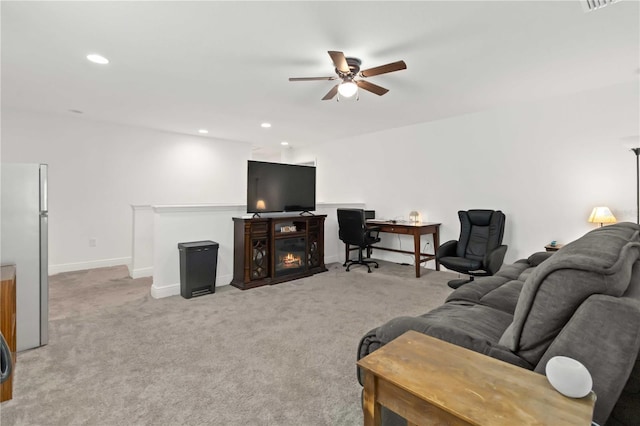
[(417, 230), (429, 381)]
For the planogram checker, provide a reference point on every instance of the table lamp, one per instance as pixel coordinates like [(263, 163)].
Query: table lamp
[(602, 215), (414, 217)]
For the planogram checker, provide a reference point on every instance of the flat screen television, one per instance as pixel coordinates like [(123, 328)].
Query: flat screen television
[(277, 187)]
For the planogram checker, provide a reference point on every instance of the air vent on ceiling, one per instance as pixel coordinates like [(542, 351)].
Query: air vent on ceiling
[(589, 5)]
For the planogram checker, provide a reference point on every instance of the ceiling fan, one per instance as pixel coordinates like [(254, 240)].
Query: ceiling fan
[(347, 70)]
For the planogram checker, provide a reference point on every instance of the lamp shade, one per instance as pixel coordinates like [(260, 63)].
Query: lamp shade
[(260, 205), (602, 215)]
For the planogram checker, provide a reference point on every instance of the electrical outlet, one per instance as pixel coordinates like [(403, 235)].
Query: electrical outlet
[(92, 242)]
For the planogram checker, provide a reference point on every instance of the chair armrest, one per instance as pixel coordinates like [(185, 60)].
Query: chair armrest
[(372, 229), (493, 260), (447, 249)]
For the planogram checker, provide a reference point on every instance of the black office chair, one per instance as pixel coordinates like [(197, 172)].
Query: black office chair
[(479, 250), (352, 230)]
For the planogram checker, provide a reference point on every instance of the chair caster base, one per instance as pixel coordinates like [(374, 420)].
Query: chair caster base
[(366, 263), (454, 284)]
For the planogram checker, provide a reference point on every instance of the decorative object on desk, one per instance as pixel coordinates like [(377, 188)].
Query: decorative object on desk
[(569, 377), (553, 243), (414, 217), (602, 215)]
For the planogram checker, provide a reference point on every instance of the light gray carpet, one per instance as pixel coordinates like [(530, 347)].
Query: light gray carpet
[(275, 355)]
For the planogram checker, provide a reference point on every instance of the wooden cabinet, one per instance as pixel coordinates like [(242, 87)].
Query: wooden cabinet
[(8, 321), (271, 250)]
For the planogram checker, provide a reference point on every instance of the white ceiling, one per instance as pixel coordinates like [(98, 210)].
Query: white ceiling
[(224, 66)]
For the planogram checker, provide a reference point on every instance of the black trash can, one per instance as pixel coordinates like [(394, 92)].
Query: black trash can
[(198, 261)]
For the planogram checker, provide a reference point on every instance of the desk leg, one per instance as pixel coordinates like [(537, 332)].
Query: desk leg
[(416, 249), (436, 244), (370, 407)]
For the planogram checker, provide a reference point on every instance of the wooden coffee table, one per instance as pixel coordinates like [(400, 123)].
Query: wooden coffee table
[(428, 381)]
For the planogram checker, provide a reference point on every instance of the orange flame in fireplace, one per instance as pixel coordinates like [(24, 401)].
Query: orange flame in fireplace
[(291, 260)]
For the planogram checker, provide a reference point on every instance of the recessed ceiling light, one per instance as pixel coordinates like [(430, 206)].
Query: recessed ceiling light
[(97, 59), (203, 131), (284, 143), (266, 125)]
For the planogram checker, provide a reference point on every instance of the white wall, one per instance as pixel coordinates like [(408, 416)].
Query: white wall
[(545, 164), (97, 171)]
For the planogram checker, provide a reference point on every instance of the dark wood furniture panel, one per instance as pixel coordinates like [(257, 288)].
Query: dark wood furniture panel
[(259, 244), (8, 321)]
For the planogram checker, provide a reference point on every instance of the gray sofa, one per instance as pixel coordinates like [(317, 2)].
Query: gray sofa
[(582, 301)]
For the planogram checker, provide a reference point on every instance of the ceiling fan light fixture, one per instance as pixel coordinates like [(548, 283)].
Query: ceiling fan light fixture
[(348, 88)]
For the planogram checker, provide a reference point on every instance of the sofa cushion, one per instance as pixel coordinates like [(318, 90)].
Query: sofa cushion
[(598, 263), (502, 290), (472, 326), (462, 263)]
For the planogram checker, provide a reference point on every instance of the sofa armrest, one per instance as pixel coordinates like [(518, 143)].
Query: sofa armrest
[(447, 249), (369, 343), (594, 337)]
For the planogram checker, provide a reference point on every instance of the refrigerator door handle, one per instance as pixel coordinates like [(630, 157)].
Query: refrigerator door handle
[(44, 278), (44, 198), (44, 254)]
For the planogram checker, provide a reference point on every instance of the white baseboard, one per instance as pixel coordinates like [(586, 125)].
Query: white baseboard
[(141, 272), (165, 291), (174, 289), (331, 259), (81, 266)]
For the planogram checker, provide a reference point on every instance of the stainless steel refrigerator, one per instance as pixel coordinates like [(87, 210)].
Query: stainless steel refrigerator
[(24, 242)]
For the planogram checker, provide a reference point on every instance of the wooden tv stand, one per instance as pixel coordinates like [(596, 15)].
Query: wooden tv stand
[(271, 250)]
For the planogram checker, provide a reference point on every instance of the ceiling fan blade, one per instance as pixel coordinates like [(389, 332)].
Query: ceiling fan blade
[(373, 88), (383, 69), (311, 78), (331, 93), (339, 61)]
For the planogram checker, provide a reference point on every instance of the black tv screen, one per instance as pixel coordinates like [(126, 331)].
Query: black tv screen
[(276, 187)]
